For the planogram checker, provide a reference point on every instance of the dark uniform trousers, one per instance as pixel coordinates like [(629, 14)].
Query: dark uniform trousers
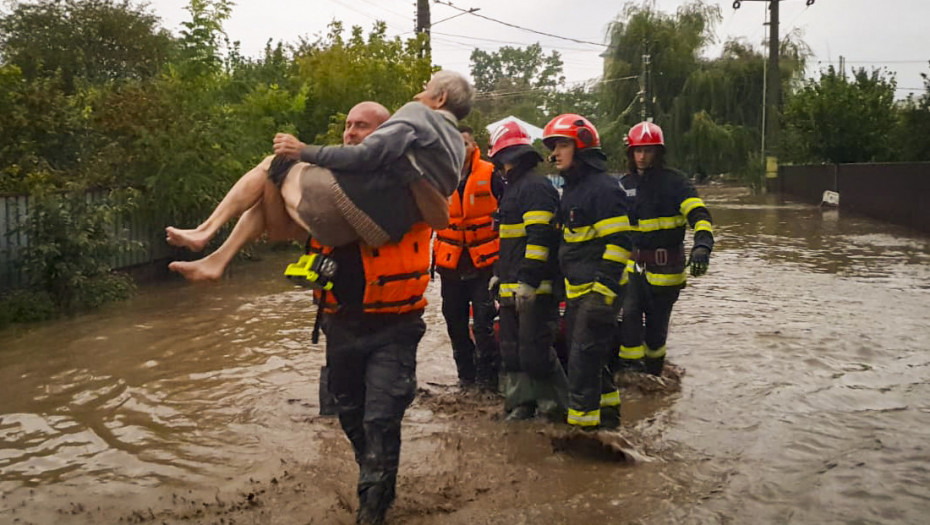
[(591, 346), (476, 359), (371, 362), (647, 310), (527, 350)]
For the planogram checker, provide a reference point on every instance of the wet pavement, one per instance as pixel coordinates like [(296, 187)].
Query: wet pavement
[(804, 399)]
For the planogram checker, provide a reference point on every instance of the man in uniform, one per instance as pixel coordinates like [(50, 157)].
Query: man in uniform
[(464, 255), (534, 380), (662, 202), (593, 255)]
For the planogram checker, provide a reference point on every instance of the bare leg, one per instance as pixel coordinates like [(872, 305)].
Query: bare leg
[(241, 197), (249, 227), (268, 215)]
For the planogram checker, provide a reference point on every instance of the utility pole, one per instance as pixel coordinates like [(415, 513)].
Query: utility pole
[(772, 88), (423, 23), (644, 83)]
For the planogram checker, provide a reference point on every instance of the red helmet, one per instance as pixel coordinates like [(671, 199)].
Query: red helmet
[(571, 126), (644, 134), (508, 134)]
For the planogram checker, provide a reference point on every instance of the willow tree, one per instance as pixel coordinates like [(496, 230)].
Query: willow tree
[(683, 89), (653, 50)]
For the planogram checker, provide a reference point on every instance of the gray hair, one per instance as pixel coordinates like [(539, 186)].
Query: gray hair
[(459, 93)]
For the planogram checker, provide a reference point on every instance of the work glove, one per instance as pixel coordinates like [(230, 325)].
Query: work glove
[(699, 260), (494, 284), (525, 295)]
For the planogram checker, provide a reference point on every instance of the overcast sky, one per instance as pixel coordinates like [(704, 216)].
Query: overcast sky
[(892, 34)]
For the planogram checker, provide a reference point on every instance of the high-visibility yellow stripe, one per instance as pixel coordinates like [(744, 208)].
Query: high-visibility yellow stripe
[(511, 231), (609, 295), (612, 225), (703, 226), (537, 217), (577, 290), (666, 279), (662, 223), (537, 252), (509, 289), (655, 354), (632, 352), (615, 253), (584, 419), (580, 234), (610, 399), (689, 204)]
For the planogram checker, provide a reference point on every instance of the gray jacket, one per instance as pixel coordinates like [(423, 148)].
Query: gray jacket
[(428, 140)]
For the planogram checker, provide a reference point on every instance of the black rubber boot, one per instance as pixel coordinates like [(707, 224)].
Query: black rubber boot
[(610, 418), (521, 413), (627, 365), (654, 365)]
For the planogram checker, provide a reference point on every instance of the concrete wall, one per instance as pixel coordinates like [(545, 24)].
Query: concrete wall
[(897, 193)]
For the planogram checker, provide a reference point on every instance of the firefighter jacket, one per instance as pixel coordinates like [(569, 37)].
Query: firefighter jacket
[(662, 202), (389, 279), (471, 220), (596, 241), (528, 233)]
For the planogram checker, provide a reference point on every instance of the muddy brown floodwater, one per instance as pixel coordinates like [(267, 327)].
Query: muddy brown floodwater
[(804, 399)]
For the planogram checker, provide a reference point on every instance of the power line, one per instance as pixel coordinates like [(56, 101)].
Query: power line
[(490, 94), (508, 24), (366, 15), (379, 6), (512, 42)]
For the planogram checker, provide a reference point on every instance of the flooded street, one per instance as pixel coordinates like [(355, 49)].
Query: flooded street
[(805, 399)]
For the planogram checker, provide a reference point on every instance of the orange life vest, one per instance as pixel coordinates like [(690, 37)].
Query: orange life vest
[(396, 274), (470, 221)]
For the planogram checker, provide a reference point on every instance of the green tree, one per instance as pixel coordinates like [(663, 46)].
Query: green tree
[(61, 225), (912, 133), (516, 81), (203, 35), (336, 73), (83, 40), (836, 119)]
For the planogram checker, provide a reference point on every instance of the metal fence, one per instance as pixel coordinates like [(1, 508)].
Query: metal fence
[(893, 192), (145, 239)]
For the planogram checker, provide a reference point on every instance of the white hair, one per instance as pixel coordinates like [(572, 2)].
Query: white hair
[(459, 93)]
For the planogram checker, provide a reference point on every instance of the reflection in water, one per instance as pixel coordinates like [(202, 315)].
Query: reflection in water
[(805, 399)]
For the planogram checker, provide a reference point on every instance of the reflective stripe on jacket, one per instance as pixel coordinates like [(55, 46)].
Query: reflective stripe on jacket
[(396, 275), (596, 241), (471, 223), (662, 203), (528, 232)]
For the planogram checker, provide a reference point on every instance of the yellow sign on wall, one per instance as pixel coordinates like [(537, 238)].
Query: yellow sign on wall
[(771, 167)]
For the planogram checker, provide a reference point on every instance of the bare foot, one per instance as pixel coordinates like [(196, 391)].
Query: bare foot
[(194, 240), (196, 271)]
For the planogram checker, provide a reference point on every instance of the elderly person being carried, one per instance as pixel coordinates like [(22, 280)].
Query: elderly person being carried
[(373, 192)]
